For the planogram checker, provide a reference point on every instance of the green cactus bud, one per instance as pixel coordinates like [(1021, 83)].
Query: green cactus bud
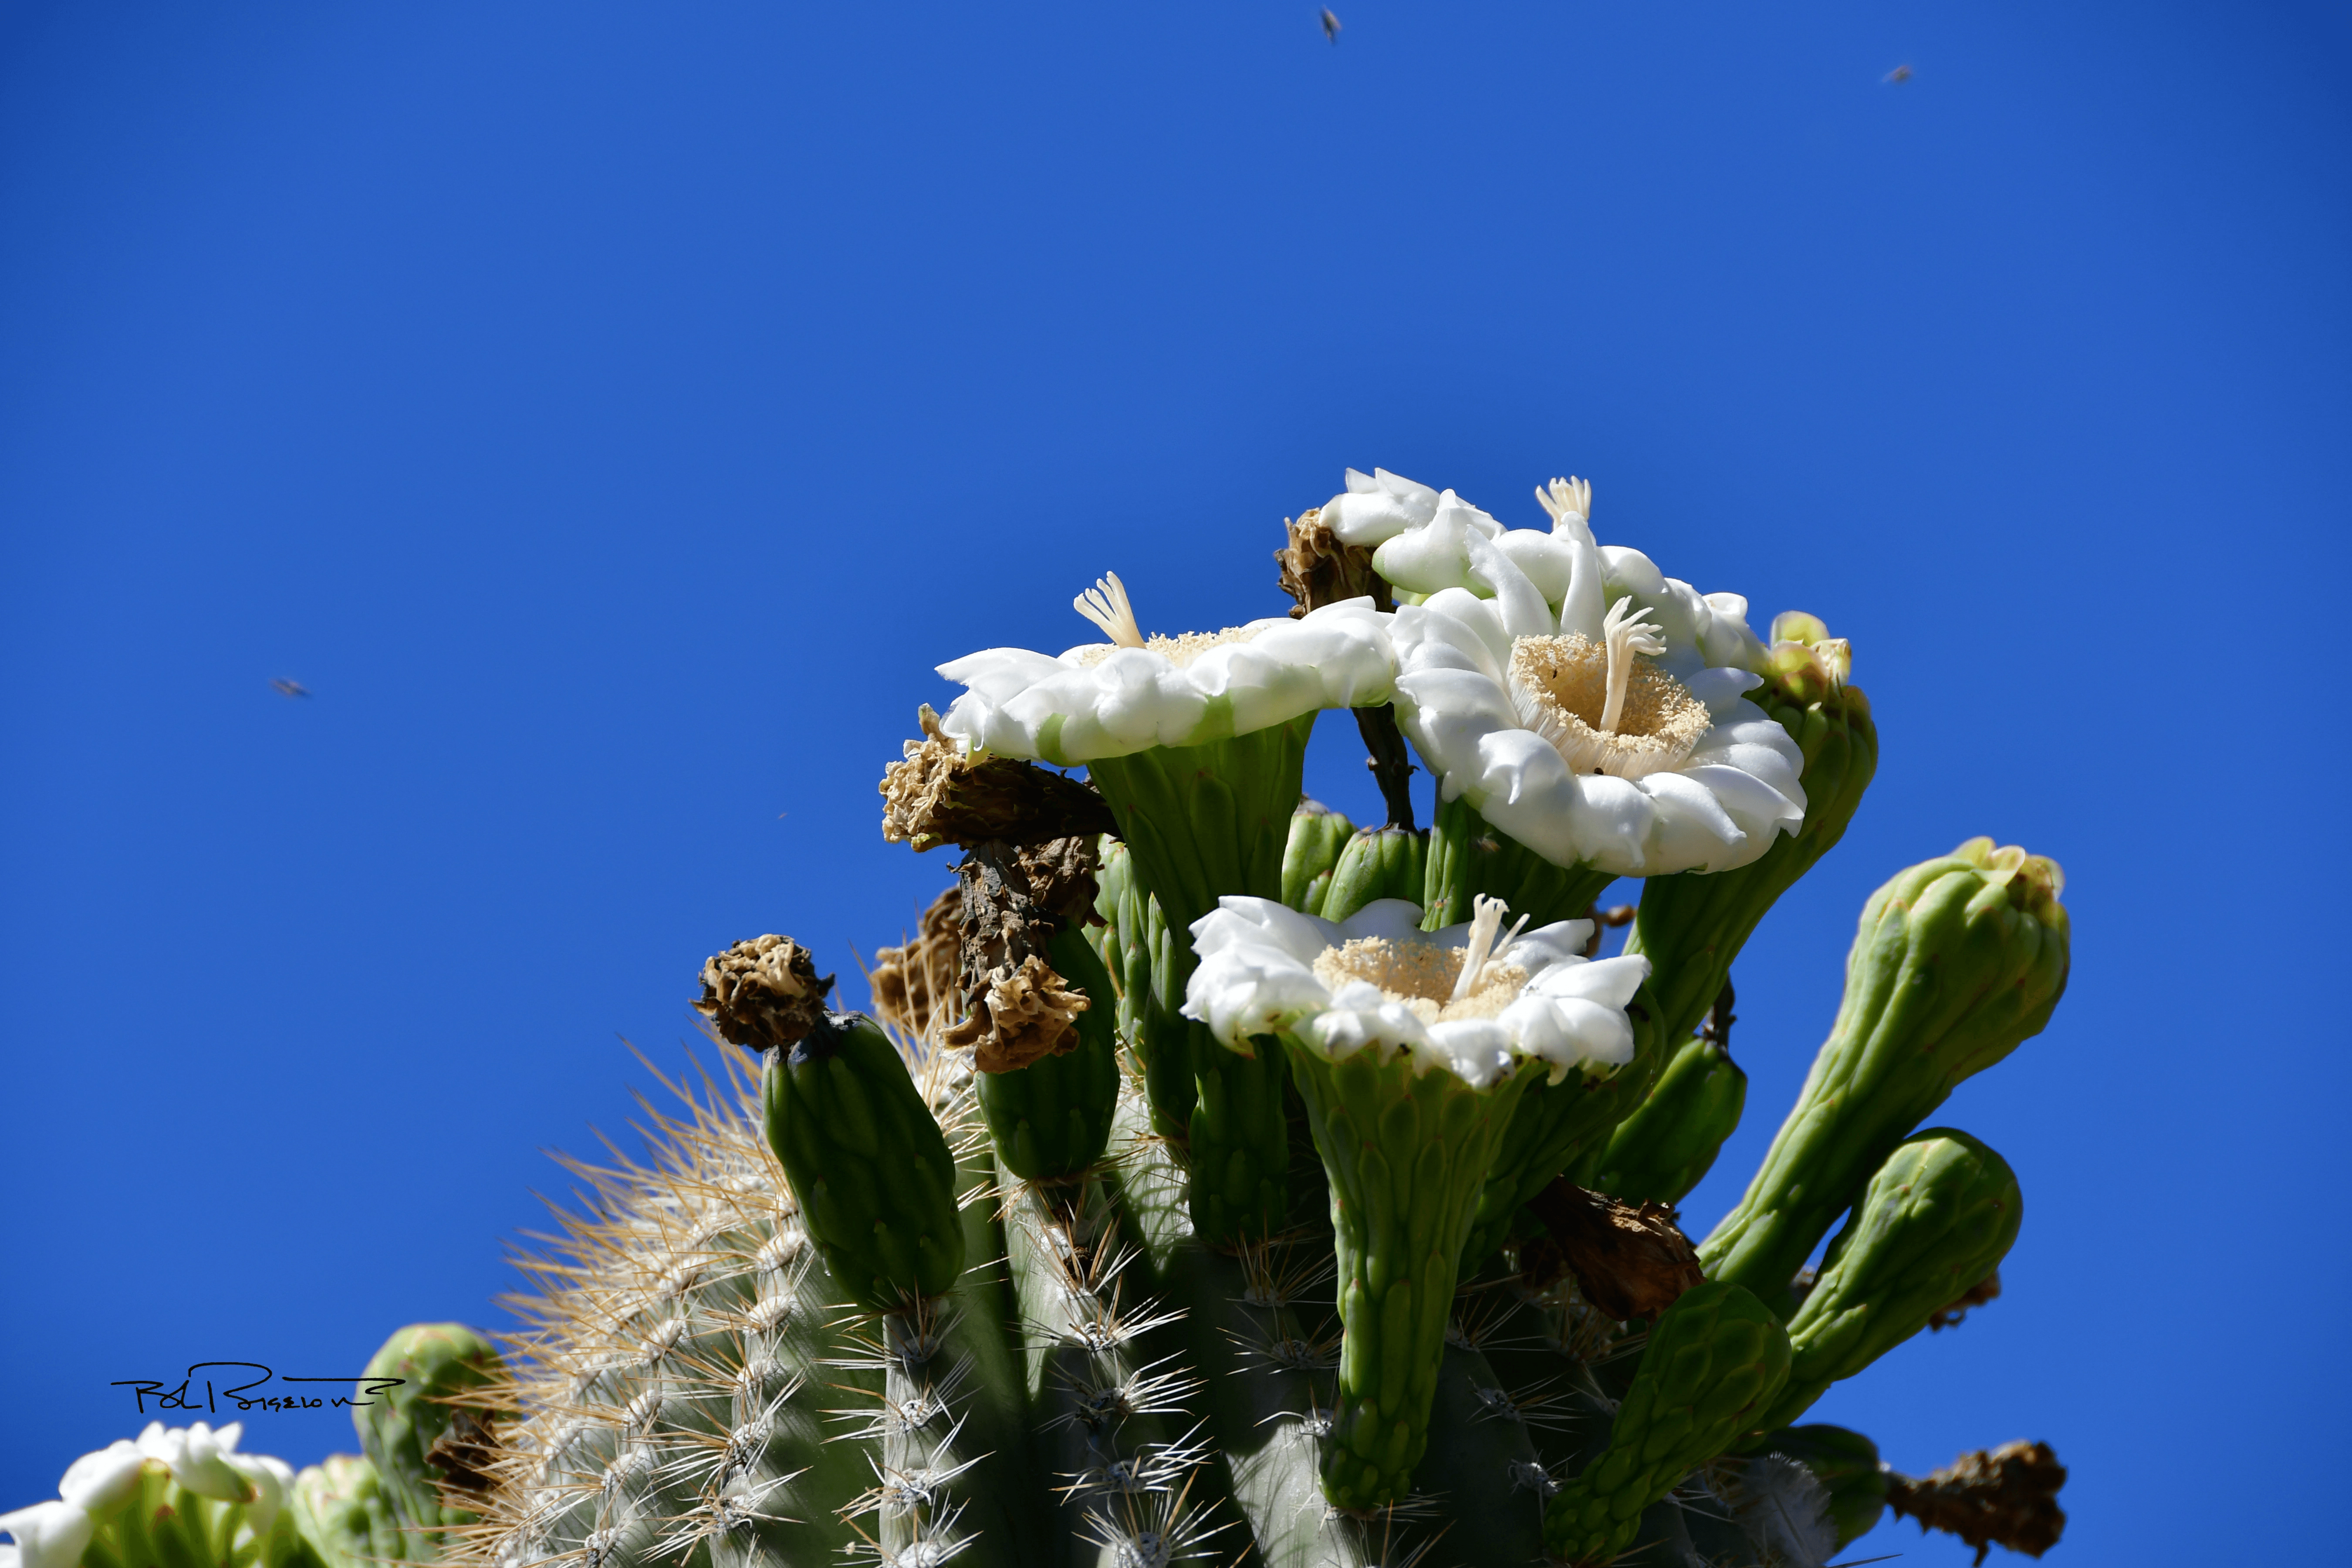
[(1051, 1120), (1957, 961), (1375, 863), (1468, 857), (1407, 1151), (1201, 822), (339, 1507), (1135, 950), (1317, 835), (1844, 1462), (428, 1435), (1692, 925), (869, 1165), (1669, 1143), (1938, 1217), (1713, 1362)]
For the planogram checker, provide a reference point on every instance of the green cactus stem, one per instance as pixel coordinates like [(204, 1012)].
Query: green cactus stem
[(1317, 834), (1713, 1363), (1201, 822), (1957, 961), (1669, 1143), (1938, 1217), (1692, 925), (1375, 863)]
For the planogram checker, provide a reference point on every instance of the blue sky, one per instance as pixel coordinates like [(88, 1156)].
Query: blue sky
[(612, 414)]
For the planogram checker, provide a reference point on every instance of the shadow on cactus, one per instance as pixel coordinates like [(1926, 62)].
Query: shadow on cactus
[(1216, 1180)]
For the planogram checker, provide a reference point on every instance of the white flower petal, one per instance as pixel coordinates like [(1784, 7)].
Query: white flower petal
[(49, 1534), (99, 1482), (1378, 506)]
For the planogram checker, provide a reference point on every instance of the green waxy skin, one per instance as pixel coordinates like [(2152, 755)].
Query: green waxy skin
[(162, 1524), (340, 1509), (869, 1165), (1957, 962), (1691, 926), (1715, 1361), (1406, 1154), (1663, 1150), (1051, 1120), (1557, 1124), (1201, 822), (1317, 834), (1137, 951), (1844, 1462), (1467, 857), (1375, 863), (399, 1425), (1938, 1217)]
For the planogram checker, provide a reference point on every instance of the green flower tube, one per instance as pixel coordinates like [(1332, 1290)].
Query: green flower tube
[(1468, 859), (1374, 863), (1847, 1465), (1669, 1143), (1411, 1049), (1957, 962), (1938, 1217), (1317, 834), (339, 1507), (1692, 925), (1137, 953), (1052, 1118), (175, 1497), (1713, 1363), (872, 1172)]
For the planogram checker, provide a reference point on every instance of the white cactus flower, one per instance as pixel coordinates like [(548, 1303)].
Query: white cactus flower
[(199, 1458), (1473, 999), (1584, 702), (49, 1534), (100, 1482), (1112, 698)]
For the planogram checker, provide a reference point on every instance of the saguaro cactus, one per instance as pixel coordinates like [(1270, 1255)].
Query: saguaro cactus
[(1216, 1181)]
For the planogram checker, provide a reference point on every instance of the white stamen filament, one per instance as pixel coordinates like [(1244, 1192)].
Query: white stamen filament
[(1564, 498), (1488, 942), (1107, 606), (1626, 636)]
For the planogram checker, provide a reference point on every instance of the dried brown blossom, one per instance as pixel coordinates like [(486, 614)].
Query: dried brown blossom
[(2005, 1497), (1014, 899), (1319, 569), (916, 986), (1976, 1295), (763, 993), (1630, 1260), (937, 795)]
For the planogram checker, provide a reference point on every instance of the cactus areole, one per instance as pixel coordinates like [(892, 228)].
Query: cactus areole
[(1216, 1180)]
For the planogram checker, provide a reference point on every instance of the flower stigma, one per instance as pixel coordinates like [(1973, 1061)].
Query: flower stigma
[(1566, 498), (1606, 708), (1107, 606)]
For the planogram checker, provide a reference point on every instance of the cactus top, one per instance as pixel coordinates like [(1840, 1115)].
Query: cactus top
[(1473, 999), (1112, 698), (1584, 701)]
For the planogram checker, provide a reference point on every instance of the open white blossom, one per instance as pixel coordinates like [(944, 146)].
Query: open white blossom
[(1584, 702), (55, 1534), (1473, 999), (1115, 697)]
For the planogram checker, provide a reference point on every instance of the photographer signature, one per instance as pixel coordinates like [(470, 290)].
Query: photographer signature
[(239, 1396)]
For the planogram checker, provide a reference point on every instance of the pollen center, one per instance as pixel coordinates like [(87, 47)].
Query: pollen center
[(1421, 975), (1178, 650), (1560, 687)]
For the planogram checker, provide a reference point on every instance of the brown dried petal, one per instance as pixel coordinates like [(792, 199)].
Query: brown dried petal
[(1632, 1259), (1976, 1295), (937, 795), (2006, 1498), (1318, 569), (763, 993), (464, 1454), (1018, 1016), (913, 986)]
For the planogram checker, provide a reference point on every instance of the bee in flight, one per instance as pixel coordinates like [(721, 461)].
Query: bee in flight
[(285, 687)]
